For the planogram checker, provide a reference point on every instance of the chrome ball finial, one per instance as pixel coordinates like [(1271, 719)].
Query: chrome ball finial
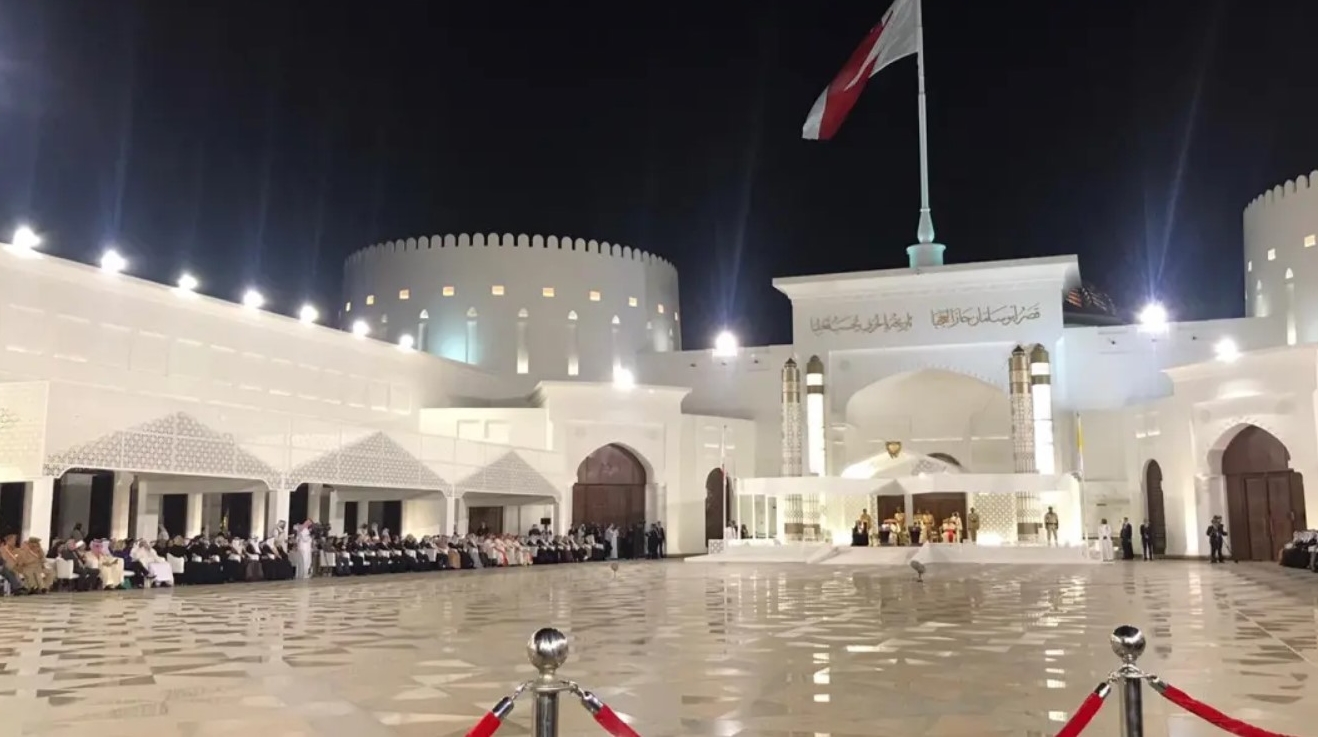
[(1127, 642), (547, 650)]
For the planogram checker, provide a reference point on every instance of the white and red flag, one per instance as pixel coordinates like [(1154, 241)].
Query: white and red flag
[(895, 37)]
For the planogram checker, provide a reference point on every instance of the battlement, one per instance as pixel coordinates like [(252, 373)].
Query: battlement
[(1278, 194), (507, 240)]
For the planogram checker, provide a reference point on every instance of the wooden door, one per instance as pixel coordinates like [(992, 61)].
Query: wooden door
[(610, 489), (887, 507), (718, 509), (1155, 510), (941, 505), (489, 517)]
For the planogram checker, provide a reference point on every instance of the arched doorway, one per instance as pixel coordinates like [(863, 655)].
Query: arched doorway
[(610, 488), (1153, 507), (1264, 497)]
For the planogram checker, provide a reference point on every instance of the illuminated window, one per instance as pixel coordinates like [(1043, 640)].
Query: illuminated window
[(1249, 266), (1272, 256), (594, 296), (677, 317), (497, 290), (384, 319), (661, 309), (631, 301), (522, 314), (1310, 241), (347, 307), (1258, 285), (572, 315), (370, 299), (404, 293), (1290, 274), (616, 321), (447, 291), (547, 292)]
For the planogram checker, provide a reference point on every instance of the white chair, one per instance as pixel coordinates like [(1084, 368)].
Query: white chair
[(64, 571), (176, 564)]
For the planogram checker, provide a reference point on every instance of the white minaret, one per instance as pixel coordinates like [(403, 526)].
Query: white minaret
[(793, 450), (816, 435)]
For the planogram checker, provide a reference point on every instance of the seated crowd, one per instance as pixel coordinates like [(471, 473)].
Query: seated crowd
[(84, 565)]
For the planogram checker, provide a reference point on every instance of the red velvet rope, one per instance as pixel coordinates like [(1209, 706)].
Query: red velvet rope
[(612, 723), (1085, 714), (1211, 715), (487, 726)]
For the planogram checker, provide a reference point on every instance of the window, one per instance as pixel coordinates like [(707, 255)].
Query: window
[(1310, 241), (1258, 285), (1249, 266), (1272, 256), (1290, 274), (631, 301), (497, 290), (661, 308), (384, 319), (471, 312), (547, 292), (572, 315), (447, 291), (594, 296), (616, 321), (370, 299), (404, 293), (522, 314), (425, 315), (677, 317), (347, 307)]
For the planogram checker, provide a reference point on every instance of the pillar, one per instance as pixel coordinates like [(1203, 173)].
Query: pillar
[(314, 494), (121, 501), (259, 527), (464, 518), (38, 504), (1022, 446), (277, 508), (793, 525), (148, 511), (450, 514), (192, 523), (816, 434), (336, 512)]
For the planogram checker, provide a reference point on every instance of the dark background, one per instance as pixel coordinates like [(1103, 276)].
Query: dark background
[(259, 142)]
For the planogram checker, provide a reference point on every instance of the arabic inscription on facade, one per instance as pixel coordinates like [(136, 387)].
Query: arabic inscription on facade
[(972, 317), (891, 322)]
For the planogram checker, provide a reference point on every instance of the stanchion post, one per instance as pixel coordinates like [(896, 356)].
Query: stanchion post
[(1128, 643), (547, 650)]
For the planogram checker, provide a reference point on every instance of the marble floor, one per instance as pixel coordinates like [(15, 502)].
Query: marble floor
[(677, 649)]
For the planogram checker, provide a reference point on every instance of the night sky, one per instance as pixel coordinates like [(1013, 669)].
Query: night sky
[(259, 142)]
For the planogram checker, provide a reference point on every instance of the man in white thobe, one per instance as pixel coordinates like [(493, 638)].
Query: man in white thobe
[(304, 550)]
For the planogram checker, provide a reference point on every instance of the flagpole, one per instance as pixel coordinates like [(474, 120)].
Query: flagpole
[(925, 231)]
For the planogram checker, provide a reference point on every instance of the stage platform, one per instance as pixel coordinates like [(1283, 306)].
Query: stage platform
[(929, 554), (785, 553)]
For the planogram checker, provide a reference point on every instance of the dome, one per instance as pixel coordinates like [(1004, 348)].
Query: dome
[(1087, 305)]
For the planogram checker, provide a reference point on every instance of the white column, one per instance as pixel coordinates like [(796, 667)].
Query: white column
[(259, 527), (148, 511), (464, 517), (450, 515), (192, 525), (314, 492), (277, 508), (336, 513), (38, 502), (120, 503)]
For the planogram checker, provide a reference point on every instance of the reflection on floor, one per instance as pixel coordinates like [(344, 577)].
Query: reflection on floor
[(678, 649)]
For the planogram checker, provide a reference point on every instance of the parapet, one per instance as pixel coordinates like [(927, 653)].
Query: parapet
[(507, 240)]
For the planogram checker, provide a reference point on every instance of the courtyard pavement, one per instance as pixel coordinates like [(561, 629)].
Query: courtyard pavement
[(677, 649)]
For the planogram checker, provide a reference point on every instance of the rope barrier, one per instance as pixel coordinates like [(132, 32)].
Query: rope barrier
[(493, 719), (1085, 714), (1208, 713), (605, 717)]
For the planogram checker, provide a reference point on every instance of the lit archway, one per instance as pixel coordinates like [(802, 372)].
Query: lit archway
[(1264, 497), (959, 419), (610, 488)]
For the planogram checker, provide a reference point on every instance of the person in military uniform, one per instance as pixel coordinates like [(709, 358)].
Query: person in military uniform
[(972, 525), (1050, 526)]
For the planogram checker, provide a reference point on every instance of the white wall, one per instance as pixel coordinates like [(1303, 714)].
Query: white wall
[(471, 266), (1117, 366)]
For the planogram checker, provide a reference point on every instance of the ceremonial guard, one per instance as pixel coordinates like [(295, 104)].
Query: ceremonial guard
[(972, 525)]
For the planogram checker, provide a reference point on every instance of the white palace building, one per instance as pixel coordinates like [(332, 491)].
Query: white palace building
[(510, 381)]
